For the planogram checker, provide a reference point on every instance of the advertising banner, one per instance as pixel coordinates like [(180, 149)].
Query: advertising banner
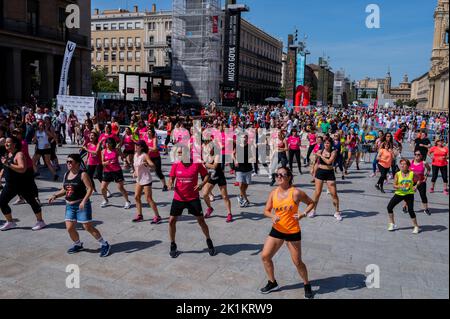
[(70, 49), (300, 74), (231, 58), (79, 104)]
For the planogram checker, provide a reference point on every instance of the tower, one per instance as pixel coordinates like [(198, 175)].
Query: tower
[(388, 82), (441, 26)]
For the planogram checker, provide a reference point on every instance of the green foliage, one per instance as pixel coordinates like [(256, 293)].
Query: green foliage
[(100, 82)]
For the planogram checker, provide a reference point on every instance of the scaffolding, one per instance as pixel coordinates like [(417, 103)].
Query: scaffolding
[(338, 87), (196, 47)]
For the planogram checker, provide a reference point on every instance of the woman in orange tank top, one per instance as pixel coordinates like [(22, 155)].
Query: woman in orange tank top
[(282, 206)]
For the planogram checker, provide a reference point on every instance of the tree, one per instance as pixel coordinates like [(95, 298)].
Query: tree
[(100, 82), (282, 94), (398, 103), (413, 103), (363, 94)]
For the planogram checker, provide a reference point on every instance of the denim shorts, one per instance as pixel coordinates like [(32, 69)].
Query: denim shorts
[(244, 177), (74, 214)]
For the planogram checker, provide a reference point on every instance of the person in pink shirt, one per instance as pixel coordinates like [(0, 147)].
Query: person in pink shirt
[(184, 181), (312, 138), (94, 159), (105, 136), (128, 152), (294, 144), (112, 172)]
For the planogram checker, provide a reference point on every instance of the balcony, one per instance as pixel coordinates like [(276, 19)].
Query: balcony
[(155, 45)]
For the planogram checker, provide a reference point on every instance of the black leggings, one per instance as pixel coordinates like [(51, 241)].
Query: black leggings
[(310, 149), (397, 199), (422, 188), (339, 162), (30, 181), (384, 172), (158, 169), (436, 170), (10, 191), (295, 153)]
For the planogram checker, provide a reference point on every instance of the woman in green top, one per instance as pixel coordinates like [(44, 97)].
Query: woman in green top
[(404, 191)]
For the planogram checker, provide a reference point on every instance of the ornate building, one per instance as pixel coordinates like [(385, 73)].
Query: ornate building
[(403, 92), (438, 99)]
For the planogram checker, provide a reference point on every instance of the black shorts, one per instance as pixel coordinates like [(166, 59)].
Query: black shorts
[(194, 208), (221, 181), (287, 237), (46, 151), (128, 152), (325, 175), (110, 177)]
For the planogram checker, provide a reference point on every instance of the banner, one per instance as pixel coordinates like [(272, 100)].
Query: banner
[(80, 105), (70, 49), (300, 74), (215, 20)]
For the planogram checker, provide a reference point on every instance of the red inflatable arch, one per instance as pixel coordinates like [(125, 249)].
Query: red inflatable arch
[(302, 92)]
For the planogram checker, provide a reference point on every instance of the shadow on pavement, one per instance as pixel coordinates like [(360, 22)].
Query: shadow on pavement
[(62, 225), (350, 213), (427, 228), (230, 250), (128, 247), (333, 284)]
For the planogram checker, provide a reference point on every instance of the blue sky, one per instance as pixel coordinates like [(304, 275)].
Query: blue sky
[(337, 28)]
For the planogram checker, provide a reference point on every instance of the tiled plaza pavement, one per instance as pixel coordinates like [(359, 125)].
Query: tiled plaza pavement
[(33, 264)]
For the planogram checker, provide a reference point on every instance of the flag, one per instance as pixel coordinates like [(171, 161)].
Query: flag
[(70, 49)]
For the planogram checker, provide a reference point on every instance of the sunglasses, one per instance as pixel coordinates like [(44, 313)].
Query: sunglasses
[(418, 154), (281, 175), (69, 162)]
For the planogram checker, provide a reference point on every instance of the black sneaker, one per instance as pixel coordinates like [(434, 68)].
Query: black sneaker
[(271, 286), (75, 249), (104, 251), (405, 210), (427, 211), (173, 250), (308, 292), (211, 249), (378, 187)]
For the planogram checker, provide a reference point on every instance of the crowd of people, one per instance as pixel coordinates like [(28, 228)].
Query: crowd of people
[(260, 140)]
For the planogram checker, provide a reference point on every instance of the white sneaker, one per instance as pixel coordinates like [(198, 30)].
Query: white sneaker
[(392, 227), (416, 230), (104, 204), (127, 205), (312, 214), (39, 226), (338, 216), (108, 194), (8, 225), (372, 175)]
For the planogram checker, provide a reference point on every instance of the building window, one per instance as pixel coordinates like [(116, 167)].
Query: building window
[(105, 27), (62, 29), (106, 57), (446, 35), (130, 68), (114, 69), (113, 26), (169, 40), (137, 25), (114, 56), (129, 56), (121, 26), (152, 40), (122, 68), (138, 42), (99, 57), (92, 56), (98, 43), (121, 55), (106, 43), (151, 53), (130, 42), (138, 68), (130, 26), (114, 43), (138, 56), (98, 27), (122, 42), (33, 16), (106, 69)]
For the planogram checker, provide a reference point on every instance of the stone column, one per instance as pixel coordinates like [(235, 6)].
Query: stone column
[(15, 67), (47, 77)]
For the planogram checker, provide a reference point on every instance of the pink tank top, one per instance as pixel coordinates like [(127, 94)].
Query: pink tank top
[(419, 171), (93, 159), (152, 154), (128, 142), (113, 158)]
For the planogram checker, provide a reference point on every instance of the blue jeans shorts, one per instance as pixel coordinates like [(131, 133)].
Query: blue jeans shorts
[(74, 214)]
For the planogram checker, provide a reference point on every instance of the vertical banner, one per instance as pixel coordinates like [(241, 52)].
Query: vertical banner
[(70, 49), (300, 74), (231, 58), (215, 24)]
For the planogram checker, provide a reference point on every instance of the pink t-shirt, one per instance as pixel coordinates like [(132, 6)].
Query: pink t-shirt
[(419, 171), (104, 137), (113, 159), (294, 143), (186, 180), (128, 142), (149, 142), (312, 139), (142, 132), (93, 159)]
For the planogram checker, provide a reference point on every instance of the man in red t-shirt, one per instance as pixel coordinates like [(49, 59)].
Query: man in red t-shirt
[(184, 181)]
